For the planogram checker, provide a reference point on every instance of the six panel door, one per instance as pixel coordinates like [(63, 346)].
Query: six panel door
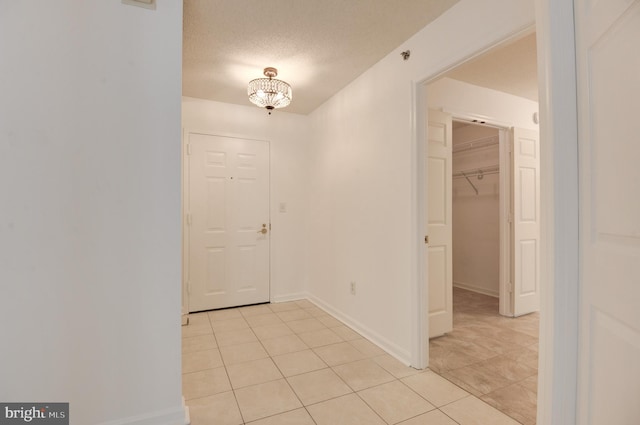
[(228, 212)]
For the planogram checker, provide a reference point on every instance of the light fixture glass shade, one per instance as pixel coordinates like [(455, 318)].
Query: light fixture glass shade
[(268, 92)]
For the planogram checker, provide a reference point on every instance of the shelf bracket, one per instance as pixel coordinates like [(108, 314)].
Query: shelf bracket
[(472, 185)]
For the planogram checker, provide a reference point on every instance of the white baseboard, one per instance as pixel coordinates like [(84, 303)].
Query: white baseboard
[(474, 288), (289, 297), (391, 348), (175, 416), (187, 415)]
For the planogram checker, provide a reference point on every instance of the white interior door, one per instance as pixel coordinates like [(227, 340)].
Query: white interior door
[(526, 221), (228, 217), (439, 223), (608, 64)]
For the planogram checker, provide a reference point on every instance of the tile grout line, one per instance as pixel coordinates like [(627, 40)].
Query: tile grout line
[(226, 372), (289, 384), (366, 357), (283, 377), (286, 378)]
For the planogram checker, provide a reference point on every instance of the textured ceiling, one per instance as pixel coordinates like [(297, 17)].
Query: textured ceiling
[(227, 43)]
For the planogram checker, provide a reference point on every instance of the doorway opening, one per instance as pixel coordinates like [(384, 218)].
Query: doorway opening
[(484, 352), (476, 209), (490, 102)]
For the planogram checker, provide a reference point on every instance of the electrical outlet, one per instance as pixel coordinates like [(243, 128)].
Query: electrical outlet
[(353, 288)]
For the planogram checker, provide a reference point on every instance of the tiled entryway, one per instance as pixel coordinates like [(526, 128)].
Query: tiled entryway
[(292, 363), (493, 357)]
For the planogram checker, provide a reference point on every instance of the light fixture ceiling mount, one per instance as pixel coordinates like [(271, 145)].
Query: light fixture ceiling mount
[(269, 92)]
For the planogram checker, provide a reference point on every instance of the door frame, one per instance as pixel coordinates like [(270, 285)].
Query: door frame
[(560, 261), (505, 129), (560, 281), (185, 217), (506, 209), (420, 107)]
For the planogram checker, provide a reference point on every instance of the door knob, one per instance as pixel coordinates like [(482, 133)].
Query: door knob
[(263, 230)]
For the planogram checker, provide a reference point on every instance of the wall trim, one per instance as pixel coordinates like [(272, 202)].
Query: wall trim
[(294, 296), (174, 416), (187, 413), (475, 288), (419, 291), (559, 329), (389, 347), (504, 204)]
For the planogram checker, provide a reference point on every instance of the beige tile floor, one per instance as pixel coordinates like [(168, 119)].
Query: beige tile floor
[(293, 364), (493, 357)]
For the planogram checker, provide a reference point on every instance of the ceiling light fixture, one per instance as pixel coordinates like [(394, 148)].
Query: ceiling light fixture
[(268, 92)]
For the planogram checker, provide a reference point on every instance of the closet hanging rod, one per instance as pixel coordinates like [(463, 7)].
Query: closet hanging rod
[(495, 169), (478, 175)]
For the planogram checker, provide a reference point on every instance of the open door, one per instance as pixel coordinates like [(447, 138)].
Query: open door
[(608, 62), (526, 221), (439, 223)]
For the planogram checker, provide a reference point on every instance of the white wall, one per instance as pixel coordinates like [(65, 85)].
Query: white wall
[(476, 216), (363, 184), (90, 217), (461, 99), (289, 136)]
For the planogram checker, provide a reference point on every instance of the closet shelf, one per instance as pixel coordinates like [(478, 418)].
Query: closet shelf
[(485, 142)]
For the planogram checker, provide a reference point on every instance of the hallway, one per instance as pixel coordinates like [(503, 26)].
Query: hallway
[(292, 363)]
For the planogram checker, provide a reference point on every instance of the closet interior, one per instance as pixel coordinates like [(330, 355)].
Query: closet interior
[(476, 208)]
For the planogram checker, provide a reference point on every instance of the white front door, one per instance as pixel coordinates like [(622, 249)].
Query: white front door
[(228, 221), (439, 223), (608, 65), (526, 221)]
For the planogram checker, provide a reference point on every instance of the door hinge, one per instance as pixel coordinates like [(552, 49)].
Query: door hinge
[(189, 287), (426, 239), (188, 219), (188, 148)]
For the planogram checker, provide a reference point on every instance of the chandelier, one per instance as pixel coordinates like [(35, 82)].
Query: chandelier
[(268, 92)]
